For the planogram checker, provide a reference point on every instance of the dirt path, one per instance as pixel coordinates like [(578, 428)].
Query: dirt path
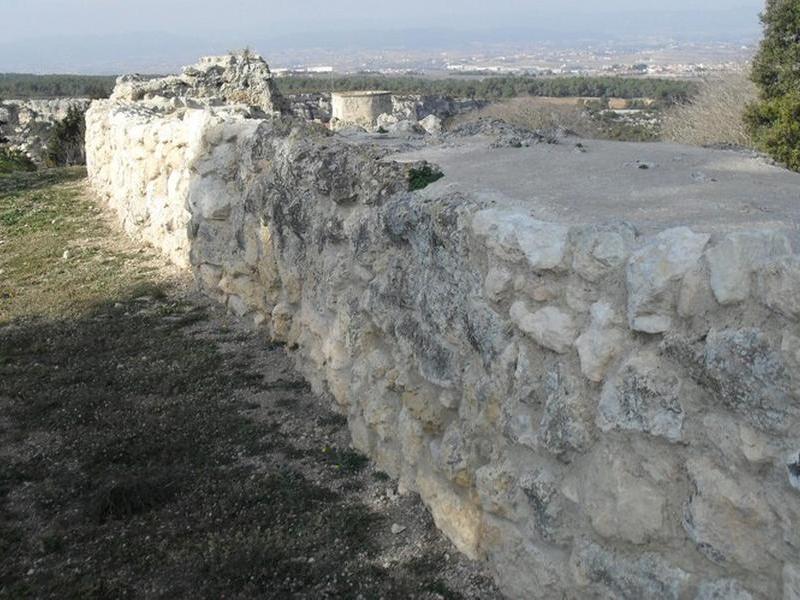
[(152, 447)]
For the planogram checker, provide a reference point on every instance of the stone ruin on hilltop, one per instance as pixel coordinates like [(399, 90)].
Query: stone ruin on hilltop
[(595, 408)]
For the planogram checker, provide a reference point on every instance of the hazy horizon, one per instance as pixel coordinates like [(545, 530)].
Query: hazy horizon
[(109, 36)]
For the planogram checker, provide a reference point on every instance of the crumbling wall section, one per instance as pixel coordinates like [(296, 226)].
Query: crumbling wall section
[(27, 125), (593, 413)]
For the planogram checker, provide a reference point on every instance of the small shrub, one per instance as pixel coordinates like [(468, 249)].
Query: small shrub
[(422, 177), (66, 146), (715, 116), (15, 160)]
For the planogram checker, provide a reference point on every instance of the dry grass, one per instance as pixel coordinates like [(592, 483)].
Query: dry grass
[(537, 114), (715, 116)]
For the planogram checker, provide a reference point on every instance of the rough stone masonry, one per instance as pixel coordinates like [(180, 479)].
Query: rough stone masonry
[(592, 411)]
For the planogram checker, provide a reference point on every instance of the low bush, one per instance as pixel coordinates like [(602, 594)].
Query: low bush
[(66, 146), (15, 160)]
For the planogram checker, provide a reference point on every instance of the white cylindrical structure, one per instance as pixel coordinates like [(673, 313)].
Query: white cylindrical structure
[(359, 108)]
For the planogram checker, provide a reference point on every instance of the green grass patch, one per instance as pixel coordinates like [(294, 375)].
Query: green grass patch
[(57, 255), (422, 177)]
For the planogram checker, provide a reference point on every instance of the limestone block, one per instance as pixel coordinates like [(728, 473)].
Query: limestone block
[(790, 348), (620, 504), (515, 236), (282, 316), (497, 285), (696, 296), (779, 286), (749, 377), (547, 504), (549, 327), (793, 467), (646, 575), (723, 589), (564, 426), (209, 277), (728, 517), (412, 437), (498, 487), (643, 396), (733, 261), (580, 295), (406, 127), (451, 456), (527, 571), (791, 582), (599, 252), (654, 273), (386, 120), (457, 516), (380, 413), (601, 343), (432, 124)]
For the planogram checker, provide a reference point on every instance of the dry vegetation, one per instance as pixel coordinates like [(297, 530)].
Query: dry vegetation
[(715, 117), (538, 114), (584, 117)]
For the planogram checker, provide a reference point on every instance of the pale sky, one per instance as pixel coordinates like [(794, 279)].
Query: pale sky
[(26, 19), (157, 36)]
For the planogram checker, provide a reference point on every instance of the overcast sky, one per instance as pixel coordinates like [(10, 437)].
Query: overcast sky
[(26, 19)]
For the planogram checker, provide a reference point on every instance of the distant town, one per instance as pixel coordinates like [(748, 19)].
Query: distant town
[(663, 60)]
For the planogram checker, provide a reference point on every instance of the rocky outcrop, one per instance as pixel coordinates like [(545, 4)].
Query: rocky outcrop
[(243, 79), (27, 125), (592, 412)]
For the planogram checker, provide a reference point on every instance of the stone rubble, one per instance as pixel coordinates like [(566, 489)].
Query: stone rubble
[(595, 414), (27, 124)]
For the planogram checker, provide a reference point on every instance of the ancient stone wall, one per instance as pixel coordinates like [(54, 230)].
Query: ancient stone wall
[(591, 412)]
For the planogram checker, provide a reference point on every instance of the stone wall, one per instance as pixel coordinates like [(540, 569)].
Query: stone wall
[(591, 412)]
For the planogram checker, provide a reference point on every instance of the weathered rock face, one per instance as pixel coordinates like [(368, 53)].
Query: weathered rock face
[(28, 124), (241, 78), (572, 402)]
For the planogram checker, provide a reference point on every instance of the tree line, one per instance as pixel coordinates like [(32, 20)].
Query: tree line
[(24, 86), (667, 91)]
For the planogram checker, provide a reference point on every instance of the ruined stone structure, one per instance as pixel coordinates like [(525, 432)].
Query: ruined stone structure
[(593, 411), (28, 124), (359, 108)]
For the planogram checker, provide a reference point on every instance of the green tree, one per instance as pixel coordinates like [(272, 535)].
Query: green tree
[(774, 121), (66, 145)]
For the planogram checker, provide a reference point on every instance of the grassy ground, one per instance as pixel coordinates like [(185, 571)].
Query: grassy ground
[(151, 448)]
